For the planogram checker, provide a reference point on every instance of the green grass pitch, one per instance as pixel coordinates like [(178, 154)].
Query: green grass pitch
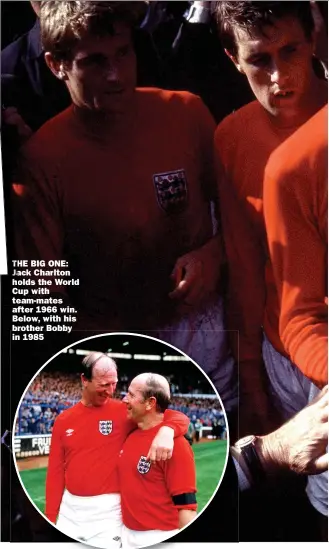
[(209, 460)]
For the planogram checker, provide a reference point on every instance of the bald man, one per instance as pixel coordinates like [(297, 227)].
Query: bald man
[(82, 487), (157, 498)]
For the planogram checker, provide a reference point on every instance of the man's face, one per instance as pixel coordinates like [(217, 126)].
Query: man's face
[(101, 387), (278, 65), (136, 404), (102, 74)]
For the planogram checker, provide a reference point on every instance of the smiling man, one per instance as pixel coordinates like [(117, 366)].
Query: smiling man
[(157, 499), (82, 488), (273, 44)]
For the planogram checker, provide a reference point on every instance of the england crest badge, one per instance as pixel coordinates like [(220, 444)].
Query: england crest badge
[(143, 466), (105, 427), (171, 189)]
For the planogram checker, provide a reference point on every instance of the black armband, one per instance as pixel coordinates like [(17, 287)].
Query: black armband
[(184, 499)]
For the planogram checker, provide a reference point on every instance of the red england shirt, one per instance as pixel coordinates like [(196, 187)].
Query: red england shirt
[(85, 446), (147, 490)]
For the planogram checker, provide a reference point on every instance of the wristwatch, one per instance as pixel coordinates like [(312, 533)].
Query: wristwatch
[(245, 448)]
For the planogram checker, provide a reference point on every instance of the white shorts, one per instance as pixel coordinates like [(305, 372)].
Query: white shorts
[(291, 391), (203, 337), (94, 520), (131, 539)]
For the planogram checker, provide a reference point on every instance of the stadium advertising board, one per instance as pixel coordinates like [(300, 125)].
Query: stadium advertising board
[(30, 446)]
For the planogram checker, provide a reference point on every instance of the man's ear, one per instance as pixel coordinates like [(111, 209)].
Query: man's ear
[(56, 67), (234, 60), (151, 403)]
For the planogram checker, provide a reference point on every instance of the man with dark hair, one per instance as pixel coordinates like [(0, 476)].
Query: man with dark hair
[(140, 239), (272, 43), (82, 488), (251, 16), (157, 499)]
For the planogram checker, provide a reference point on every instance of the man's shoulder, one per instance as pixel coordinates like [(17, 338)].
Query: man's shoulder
[(169, 98), (180, 112), (68, 413), (51, 139), (303, 150), (242, 119), (311, 138), (114, 404)]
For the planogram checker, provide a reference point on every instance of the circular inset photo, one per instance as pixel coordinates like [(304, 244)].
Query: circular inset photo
[(120, 440)]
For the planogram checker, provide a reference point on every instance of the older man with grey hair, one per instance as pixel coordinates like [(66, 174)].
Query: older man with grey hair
[(82, 489), (157, 498)]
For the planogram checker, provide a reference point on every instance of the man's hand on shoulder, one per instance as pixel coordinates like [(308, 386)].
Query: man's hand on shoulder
[(162, 445)]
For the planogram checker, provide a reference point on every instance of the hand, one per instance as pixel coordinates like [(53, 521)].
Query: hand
[(300, 444), (162, 445), (11, 117), (196, 274)]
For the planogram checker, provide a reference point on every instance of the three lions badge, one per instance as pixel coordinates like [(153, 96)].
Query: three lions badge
[(171, 189), (143, 466), (105, 427)]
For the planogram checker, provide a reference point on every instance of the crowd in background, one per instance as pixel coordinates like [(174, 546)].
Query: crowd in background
[(51, 393)]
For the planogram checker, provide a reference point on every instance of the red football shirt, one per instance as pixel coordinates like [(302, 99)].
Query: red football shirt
[(147, 490), (85, 446)]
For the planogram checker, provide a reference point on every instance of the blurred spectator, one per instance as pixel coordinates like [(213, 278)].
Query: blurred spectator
[(190, 433), (52, 392), (198, 430)]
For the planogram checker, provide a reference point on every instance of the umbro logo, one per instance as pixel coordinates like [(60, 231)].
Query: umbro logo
[(69, 432)]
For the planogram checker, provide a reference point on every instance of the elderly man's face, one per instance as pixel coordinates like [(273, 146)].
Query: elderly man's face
[(136, 404), (102, 385), (102, 74)]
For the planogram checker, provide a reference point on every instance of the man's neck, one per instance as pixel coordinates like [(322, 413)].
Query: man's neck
[(149, 421), (85, 400), (101, 125)]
